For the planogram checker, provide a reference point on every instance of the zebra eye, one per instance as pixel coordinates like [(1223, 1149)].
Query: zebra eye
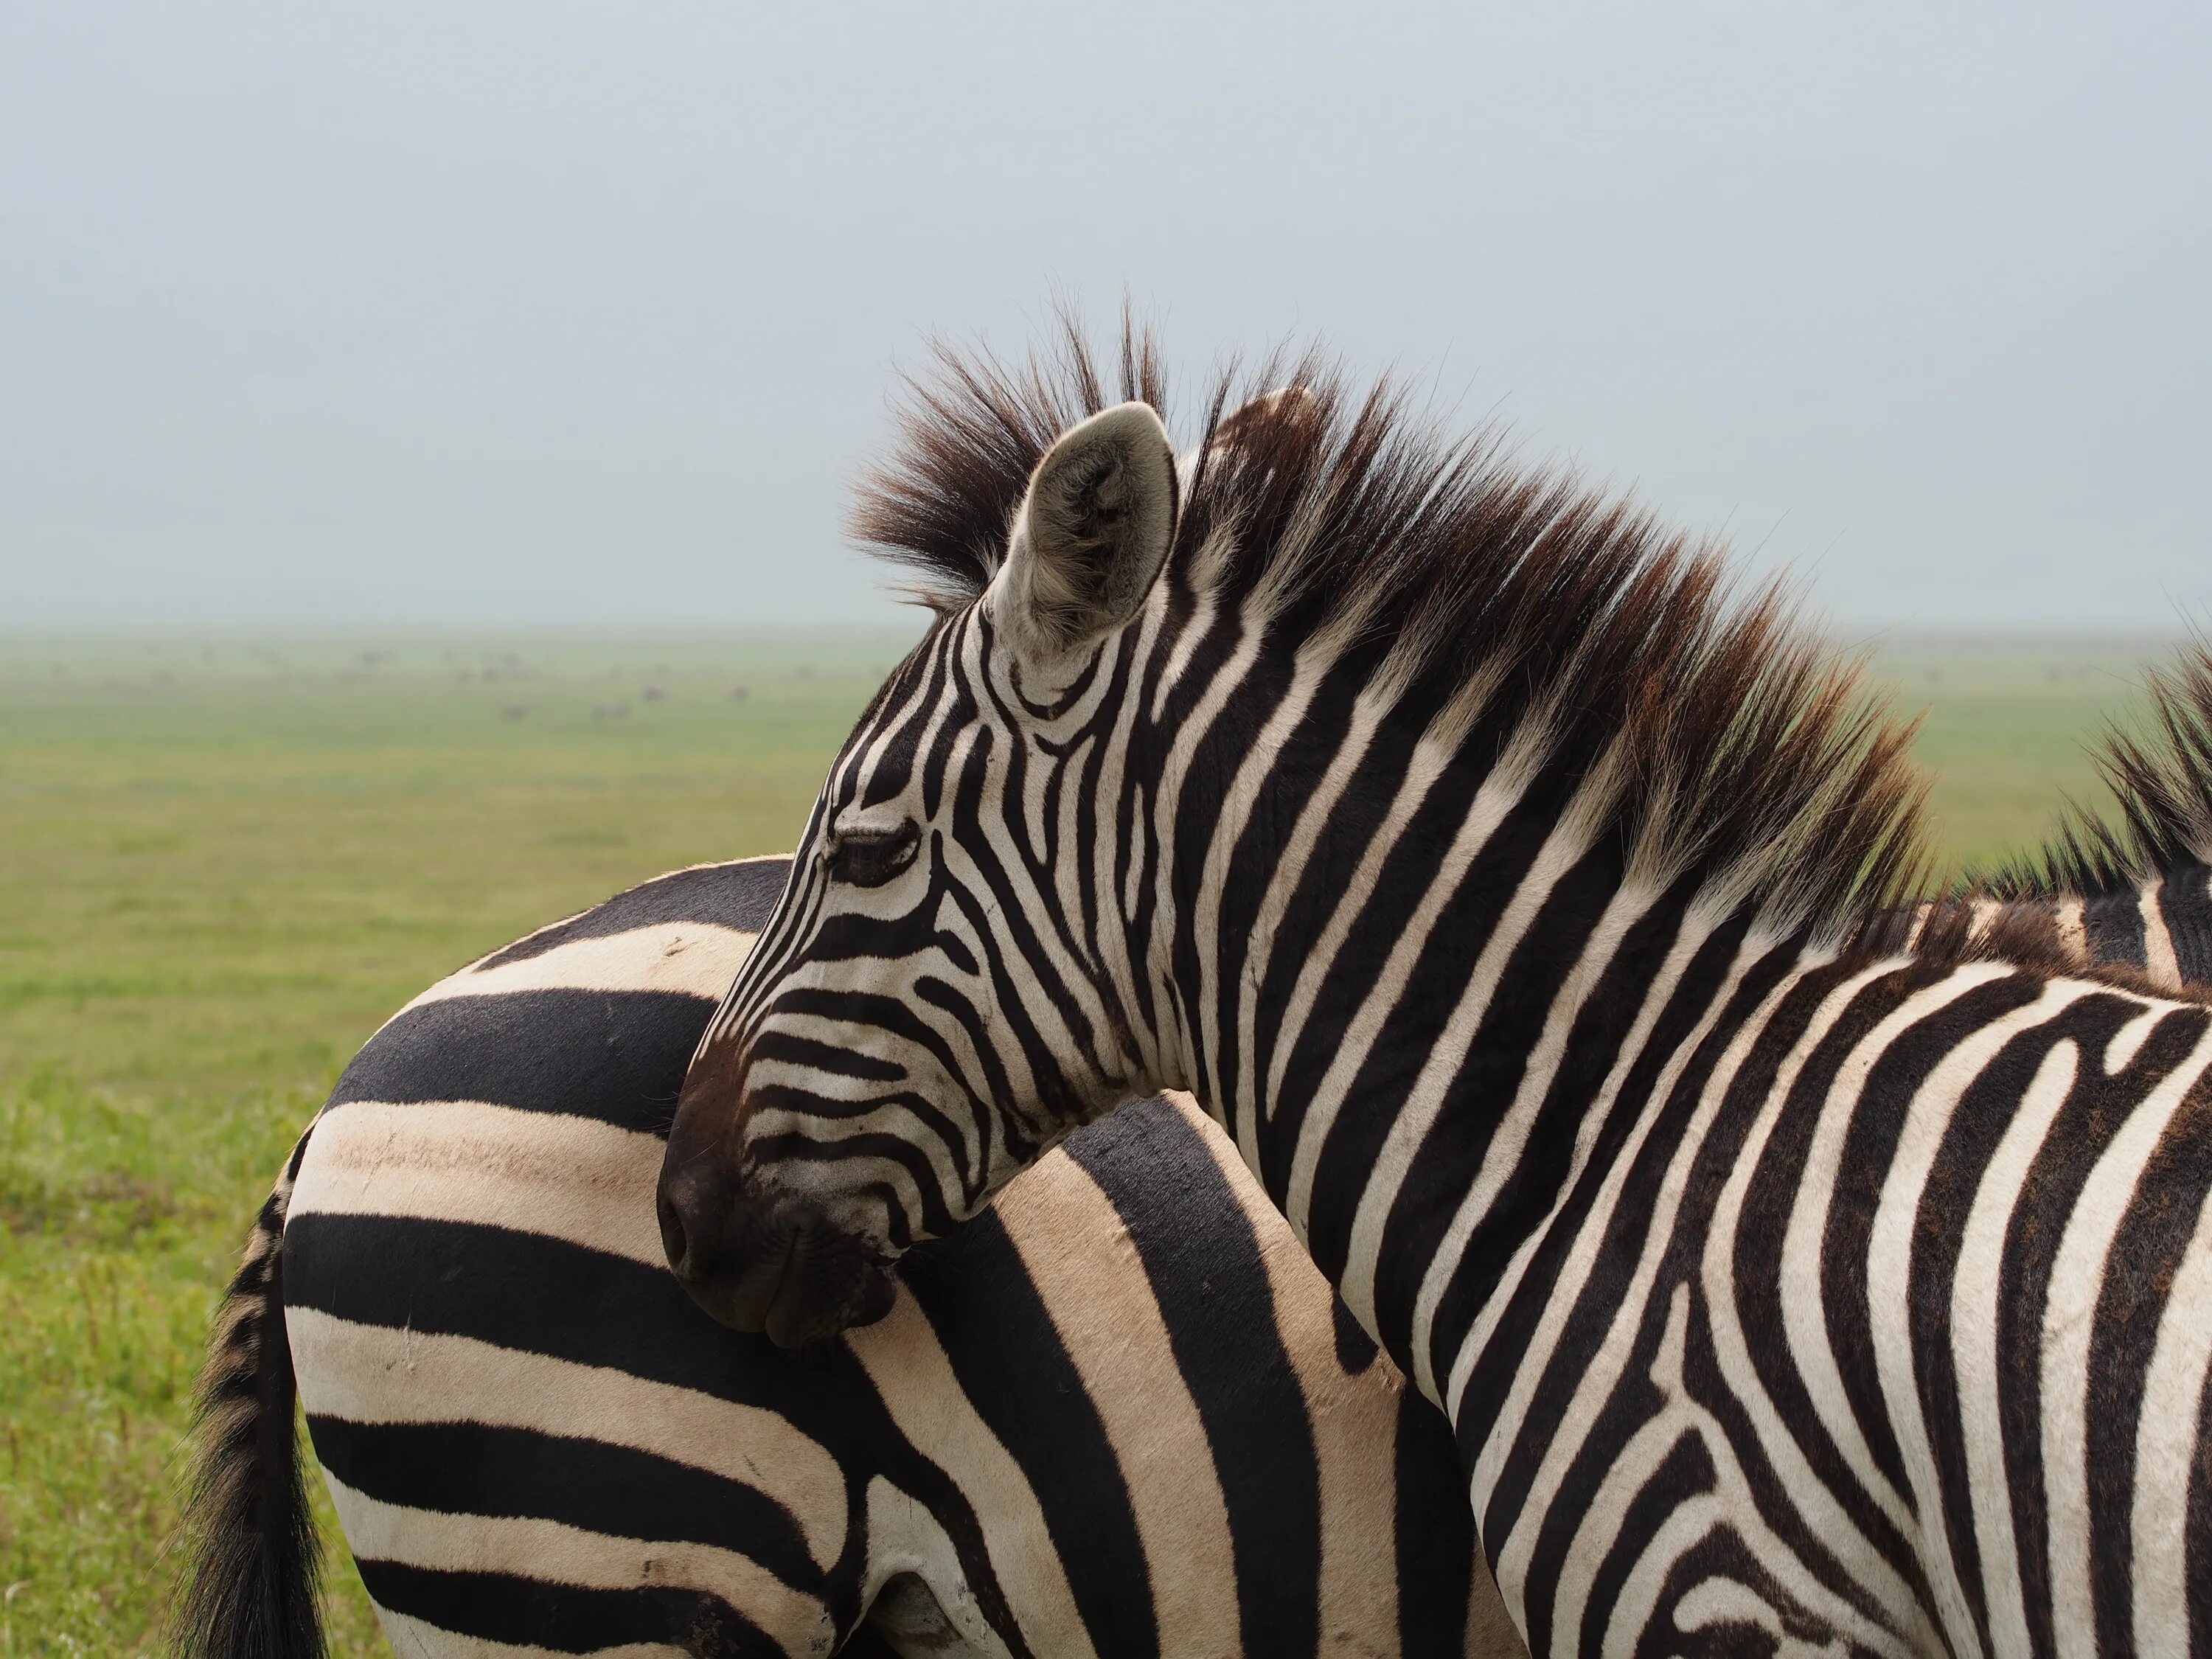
[(869, 858)]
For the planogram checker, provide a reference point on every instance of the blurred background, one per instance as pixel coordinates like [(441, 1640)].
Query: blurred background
[(424, 435)]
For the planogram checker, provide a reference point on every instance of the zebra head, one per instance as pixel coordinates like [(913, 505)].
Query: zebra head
[(926, 1013)]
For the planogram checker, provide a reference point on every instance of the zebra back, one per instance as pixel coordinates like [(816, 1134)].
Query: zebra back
[(1121, 1416)]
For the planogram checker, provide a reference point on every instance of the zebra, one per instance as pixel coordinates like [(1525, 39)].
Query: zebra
[(1519, 903), (537, 1444), (646, 965)]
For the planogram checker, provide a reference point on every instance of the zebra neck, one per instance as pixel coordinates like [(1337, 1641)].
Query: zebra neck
[(1426, 1025)]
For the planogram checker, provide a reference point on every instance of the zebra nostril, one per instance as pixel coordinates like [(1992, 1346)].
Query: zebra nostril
[(673, 1242)]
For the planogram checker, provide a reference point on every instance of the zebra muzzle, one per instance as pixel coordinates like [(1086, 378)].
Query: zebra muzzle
[(771, 1262)]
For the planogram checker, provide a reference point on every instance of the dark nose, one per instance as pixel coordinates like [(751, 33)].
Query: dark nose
[(763, 1261), (675, 1242)]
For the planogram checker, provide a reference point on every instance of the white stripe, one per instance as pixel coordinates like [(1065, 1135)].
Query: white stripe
[(2073, 933), (1977, 1286), (1731, 1504), (2126, 1043), (1499, 793), (1257, 1094), (1656, 996), (1606, 1366), (2167, 1452), (2070, 1312), (551, 1552), (1804, 1316), (1417, 1113), (1168, 796), (1428, 765), (697, 959), (2159, 959), (546, 1173), (925, 1401), (1890, 1304), (1805, 1310), (378, 1374), (1510, 1142), (1254, 773), (1095, 1292)]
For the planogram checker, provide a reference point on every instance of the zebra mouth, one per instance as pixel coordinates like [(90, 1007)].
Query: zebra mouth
[(777, 1267)]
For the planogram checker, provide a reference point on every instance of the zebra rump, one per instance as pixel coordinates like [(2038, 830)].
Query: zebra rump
[(1122, 1416)]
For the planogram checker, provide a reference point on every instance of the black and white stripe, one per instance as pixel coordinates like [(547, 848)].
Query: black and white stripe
[(1122, 1417), (1521, 912)]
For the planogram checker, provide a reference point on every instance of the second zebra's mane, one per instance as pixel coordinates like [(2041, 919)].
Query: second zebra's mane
[(1727, 746), (2163, 791)]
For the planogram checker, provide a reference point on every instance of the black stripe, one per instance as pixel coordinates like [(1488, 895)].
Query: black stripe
[(1685, 1474), (1463, 927), (1493, 1376), (2113, 925), (1401, 885), (1296, 766), (1016, 1374), (1355, 1349), (2185, 903), (497, 1607), (2161, 1218), (2093, 1113), (742, 896), (1593, 1045), (615, 1056), (1450, 1157), (1435, 1533), (1984, 1110), (1354, 819), (1755, 1268), (1869, 1150), (478, 1468), (1202, 1258), (539, 1295)]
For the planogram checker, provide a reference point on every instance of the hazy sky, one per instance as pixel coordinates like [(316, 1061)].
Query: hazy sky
[(533, 313)]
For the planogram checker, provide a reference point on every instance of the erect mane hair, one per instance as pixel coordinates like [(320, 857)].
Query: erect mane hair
[(1723, 744), (2162, 791)]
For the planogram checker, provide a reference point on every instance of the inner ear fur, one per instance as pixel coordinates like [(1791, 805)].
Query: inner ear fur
[(1094, 530)]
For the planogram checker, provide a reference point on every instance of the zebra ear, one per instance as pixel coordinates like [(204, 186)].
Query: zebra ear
[(1092, 534)]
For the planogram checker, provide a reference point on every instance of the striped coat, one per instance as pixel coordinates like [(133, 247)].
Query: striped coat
[(1524, 912), (1122, 1417)]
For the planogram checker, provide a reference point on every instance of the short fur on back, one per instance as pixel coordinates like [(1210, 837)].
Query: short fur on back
[(1740, 749)]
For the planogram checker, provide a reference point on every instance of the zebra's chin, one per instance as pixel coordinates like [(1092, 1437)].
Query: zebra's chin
[(774, 1265)]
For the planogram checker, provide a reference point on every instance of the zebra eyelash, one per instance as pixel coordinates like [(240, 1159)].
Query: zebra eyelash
[(869, 858)]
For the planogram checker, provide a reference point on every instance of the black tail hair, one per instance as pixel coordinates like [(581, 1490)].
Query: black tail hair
[(253, 1566)]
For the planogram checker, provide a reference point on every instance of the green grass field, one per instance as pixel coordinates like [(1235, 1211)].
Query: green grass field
[(222, 863)]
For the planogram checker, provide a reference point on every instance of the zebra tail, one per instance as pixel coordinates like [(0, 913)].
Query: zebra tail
[(254, 1563)]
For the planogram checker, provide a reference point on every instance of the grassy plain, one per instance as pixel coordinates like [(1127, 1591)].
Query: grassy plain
[(222, 863)]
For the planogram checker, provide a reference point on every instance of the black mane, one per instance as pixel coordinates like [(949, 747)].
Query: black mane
[(1739, 749)]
